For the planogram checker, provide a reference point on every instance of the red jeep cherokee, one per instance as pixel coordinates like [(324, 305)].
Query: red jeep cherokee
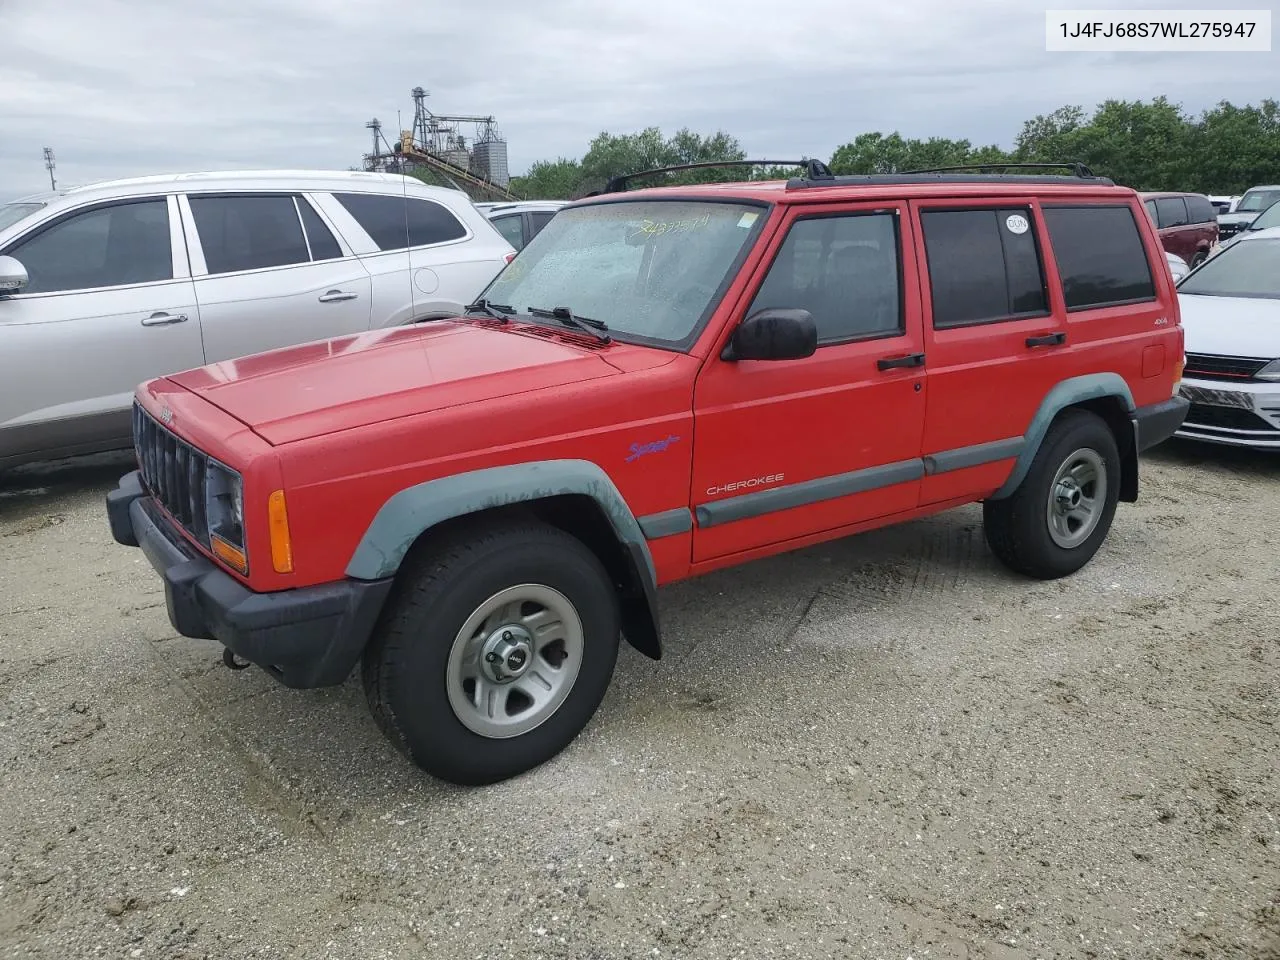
[(664, 382)]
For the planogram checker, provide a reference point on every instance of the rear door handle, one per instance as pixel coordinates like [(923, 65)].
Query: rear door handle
[(910, 360), (160, 319), (1048, 340), (334, 296)]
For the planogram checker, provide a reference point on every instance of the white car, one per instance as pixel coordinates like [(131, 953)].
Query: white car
[(1177, 266), (520, 221), (104, 286), (1231, 317)]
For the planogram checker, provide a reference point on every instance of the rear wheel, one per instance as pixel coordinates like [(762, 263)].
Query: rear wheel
[(495, 652), (1200, 257), (1057, 518)]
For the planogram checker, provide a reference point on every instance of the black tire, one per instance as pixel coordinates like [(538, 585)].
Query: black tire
[(406, 664), (1199, 258), (1018, 528)]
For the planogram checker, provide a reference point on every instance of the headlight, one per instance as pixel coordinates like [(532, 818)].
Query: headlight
[(224, 508), (1270, 372)]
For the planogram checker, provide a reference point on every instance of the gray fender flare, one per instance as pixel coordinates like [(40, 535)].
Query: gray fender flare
[(1092, 386), (414, 510)]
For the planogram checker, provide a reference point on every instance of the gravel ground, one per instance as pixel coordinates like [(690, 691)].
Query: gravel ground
[(886, 747)]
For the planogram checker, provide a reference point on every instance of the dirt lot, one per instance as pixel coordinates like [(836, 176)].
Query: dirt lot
[(886, 747)]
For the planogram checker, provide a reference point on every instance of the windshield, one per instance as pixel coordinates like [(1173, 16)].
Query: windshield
[(652, 270), (1255, 201), (11, 213), (1248, 269), (1268, 218)]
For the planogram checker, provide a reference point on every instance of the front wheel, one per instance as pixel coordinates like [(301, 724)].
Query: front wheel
[(495, 653), (1057, 518)]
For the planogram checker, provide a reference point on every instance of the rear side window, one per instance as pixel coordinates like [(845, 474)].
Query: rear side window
[(1100, 256), (319, 237), (984, 266), (248, 232), (395, 223), (1172, 211), (1200, 210)]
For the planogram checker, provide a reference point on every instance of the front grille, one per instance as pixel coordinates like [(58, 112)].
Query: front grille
[(1226, 418), (1210, 366), (173, 472)]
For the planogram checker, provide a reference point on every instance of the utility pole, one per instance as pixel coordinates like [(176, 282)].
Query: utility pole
[(49, 165)]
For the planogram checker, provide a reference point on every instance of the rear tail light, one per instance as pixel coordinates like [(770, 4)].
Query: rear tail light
[(509, 257)]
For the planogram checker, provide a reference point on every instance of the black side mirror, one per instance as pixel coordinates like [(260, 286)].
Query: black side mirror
[(773, 334)]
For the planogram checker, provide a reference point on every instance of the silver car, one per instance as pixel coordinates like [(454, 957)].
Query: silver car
[(102, 287)]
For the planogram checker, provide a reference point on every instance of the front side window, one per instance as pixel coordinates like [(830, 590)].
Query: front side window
[(395, 223), (1100, 255), (111, 246), (844, 270), (1255, 201), (652, 270), (984, 266), (1249, 269), (248, 232)]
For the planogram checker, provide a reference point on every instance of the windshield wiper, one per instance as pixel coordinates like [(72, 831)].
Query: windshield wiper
[(594, 327), (499, 311)]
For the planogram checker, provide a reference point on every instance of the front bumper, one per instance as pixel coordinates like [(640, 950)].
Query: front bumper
[(309, 637), (1237, 414)]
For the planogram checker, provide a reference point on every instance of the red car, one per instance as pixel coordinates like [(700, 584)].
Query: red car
[(1187, 224), (662, 383)]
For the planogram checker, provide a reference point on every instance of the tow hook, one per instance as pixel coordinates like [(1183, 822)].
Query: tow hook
[(231, 663)]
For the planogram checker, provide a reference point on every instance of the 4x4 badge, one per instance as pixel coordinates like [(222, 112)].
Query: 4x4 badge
[(166, 415)]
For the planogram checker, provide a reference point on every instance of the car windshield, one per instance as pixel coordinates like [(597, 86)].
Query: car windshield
[(11, 213), (1248, 269), (1255, 201), (1268, 218), (652, 270)]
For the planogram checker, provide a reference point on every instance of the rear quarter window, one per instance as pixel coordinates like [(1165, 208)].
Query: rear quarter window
[(395, 223), (1100, 255)]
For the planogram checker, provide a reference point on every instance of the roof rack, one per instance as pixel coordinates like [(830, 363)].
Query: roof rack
[(815, 170), (1075, 166), (963, 173)]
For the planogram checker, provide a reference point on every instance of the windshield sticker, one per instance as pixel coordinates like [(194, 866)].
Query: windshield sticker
[(1017, 223), (748, 219), (639, 450), (657, 228)]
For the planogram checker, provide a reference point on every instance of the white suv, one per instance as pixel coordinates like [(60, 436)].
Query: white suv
[(104, 286)]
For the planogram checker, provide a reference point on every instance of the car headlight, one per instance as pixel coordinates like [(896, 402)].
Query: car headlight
[(224, 509), (1270, 372)]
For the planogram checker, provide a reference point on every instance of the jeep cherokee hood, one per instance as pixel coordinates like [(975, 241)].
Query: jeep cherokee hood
[(330, 385)]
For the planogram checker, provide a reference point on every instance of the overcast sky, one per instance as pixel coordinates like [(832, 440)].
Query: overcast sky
[(127, 87)]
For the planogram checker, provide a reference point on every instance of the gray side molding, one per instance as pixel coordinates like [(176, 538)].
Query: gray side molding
[(1067, 393), (418, 508)]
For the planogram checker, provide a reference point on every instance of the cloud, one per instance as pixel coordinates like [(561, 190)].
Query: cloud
[(127, 87)]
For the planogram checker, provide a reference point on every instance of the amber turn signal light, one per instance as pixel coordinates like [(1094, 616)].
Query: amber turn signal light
[(233, 557), (278, 525)]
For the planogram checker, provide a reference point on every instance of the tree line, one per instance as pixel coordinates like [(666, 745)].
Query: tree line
[(1145, 145)]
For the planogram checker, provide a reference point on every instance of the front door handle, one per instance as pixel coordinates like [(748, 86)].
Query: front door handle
[(335, 296), (910, 360), (1048, 340), (160, 319)]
